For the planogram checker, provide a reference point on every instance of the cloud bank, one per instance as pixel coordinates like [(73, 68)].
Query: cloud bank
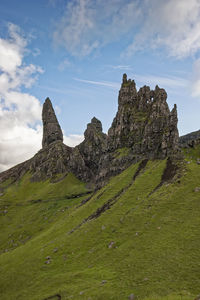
[(20, 112), (174, 24)]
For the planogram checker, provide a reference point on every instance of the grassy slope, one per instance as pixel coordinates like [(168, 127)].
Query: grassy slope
[(155, 252), (28, 208)]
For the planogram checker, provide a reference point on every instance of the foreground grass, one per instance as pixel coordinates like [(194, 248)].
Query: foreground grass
[(146, 244), (28, 208)]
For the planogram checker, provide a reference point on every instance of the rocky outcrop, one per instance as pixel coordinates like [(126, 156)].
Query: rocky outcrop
[(190, 139), (143, 127), (51, 128), (50, 161), (94, 145), (16, 172), (144, 122)]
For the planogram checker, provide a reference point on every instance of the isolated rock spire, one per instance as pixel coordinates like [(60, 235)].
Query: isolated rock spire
[(51, 128)]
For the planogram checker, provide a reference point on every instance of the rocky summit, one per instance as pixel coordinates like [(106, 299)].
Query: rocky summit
[(144, 122), (143, 127)]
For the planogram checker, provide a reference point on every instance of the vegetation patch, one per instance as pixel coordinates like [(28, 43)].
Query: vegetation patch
[(122, 152)]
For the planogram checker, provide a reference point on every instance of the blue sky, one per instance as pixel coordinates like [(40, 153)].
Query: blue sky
[(75, 52)]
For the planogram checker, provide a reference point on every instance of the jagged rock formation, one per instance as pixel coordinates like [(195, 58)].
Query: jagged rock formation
[(144, 122), (94, 145), (50, 161), (143, 127), (51, 128)]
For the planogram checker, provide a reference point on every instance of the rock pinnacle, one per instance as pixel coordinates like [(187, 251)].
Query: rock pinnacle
[(51, 128)]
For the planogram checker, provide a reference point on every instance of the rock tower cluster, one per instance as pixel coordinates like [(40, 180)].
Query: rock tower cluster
[(144, 122), (143, 127)]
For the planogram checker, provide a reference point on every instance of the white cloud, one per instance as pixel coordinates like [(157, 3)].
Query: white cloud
[(76, 22), (173, 24), (121, 67), (20, 113), (11, 51), (87, 25), (170, 81), (18, 142), (113, 85), (73, 139)]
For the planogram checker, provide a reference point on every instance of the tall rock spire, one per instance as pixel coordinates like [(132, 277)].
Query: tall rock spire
[(51, 128), (144, 122)]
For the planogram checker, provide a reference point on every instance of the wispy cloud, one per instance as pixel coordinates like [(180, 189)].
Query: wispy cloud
[(36, 52), (64, 64), (169, 81), (160, 27), (54, 90), (109, 84), (87, 26), (121, 67), (55, 3)]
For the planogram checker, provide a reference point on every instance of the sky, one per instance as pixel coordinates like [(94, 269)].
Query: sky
[(76, 51)]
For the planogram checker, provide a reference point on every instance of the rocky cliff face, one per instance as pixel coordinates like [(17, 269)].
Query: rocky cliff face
[(143, 127), (144, 122)]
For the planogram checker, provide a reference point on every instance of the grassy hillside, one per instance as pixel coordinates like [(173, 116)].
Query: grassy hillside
[(134, 236)]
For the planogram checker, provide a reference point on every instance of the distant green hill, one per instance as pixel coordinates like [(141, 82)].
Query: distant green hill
[(137, 235)]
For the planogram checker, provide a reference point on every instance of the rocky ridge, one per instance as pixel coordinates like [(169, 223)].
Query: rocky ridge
[(190, 139), (143, 127)]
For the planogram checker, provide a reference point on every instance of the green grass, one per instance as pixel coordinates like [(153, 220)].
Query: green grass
[(181, 296), (192, 153), (29, 207), (155, 250), (128, 83), (122, 152), (25, 190)]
